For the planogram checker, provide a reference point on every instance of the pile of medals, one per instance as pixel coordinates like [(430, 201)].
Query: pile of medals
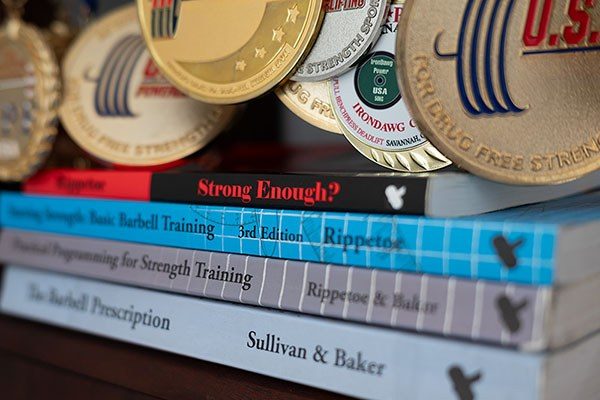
[(507, 90)]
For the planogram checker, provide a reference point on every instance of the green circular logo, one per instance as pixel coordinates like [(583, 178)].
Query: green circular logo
[(375, 81)]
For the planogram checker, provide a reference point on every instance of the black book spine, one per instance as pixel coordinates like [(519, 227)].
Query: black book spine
[(373, 194)]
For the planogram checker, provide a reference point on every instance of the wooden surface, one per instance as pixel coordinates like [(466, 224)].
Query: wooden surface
[(24, 379), (44, 362)]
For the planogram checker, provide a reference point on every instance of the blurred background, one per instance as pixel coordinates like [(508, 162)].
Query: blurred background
[(264, 120)]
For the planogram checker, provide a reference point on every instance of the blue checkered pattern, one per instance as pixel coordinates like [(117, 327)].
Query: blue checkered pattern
[(459, 247)]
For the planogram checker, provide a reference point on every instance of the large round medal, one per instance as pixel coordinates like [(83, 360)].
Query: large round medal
[(229, 51), (119, 108), (509, 90)]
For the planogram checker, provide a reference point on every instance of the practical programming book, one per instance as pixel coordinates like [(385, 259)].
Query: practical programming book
[(355, 360), (532, 318), (440, 194), (553, 242)]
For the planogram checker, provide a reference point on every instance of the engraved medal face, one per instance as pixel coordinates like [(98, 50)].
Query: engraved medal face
[(349, 30), (118, 106), (310, 101), (230, 51), (29, 91), (509, 90), (369, 106)]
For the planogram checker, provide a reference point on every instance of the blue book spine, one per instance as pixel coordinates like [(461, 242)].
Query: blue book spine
[(465, 248)]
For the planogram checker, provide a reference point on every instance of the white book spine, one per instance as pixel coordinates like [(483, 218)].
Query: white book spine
[(355, 360)]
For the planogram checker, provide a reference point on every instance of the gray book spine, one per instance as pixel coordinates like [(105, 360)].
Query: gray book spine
[(485, 311)]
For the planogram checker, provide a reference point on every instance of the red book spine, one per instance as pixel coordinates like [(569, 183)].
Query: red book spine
[(127, 185)]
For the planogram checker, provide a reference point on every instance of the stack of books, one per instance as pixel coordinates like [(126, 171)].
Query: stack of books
[(375, 286)]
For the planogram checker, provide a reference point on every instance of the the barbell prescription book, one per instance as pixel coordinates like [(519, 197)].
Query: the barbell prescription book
[(530, 317), (441, 194), (542, 244), (355, 360)]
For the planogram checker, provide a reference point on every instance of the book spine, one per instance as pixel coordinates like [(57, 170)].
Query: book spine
[(464, 248), (507, 314), (342, 357), (126, 185), (294, 191), (291, 191)]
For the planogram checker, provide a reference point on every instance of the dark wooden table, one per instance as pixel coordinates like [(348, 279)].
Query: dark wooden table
[(43, 362)]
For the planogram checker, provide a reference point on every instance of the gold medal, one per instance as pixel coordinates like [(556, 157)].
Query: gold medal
[(310, 101), (119, 108), (227, 52), (29, 94), (509, 90)]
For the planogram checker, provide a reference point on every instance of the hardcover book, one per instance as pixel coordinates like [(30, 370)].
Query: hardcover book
[(553, 242), (351, 359), (441, 194), (532, 318)]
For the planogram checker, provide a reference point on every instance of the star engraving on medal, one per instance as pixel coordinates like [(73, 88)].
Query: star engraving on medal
[(260, 53), (278, 34), (292, 14), (240, 65)]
